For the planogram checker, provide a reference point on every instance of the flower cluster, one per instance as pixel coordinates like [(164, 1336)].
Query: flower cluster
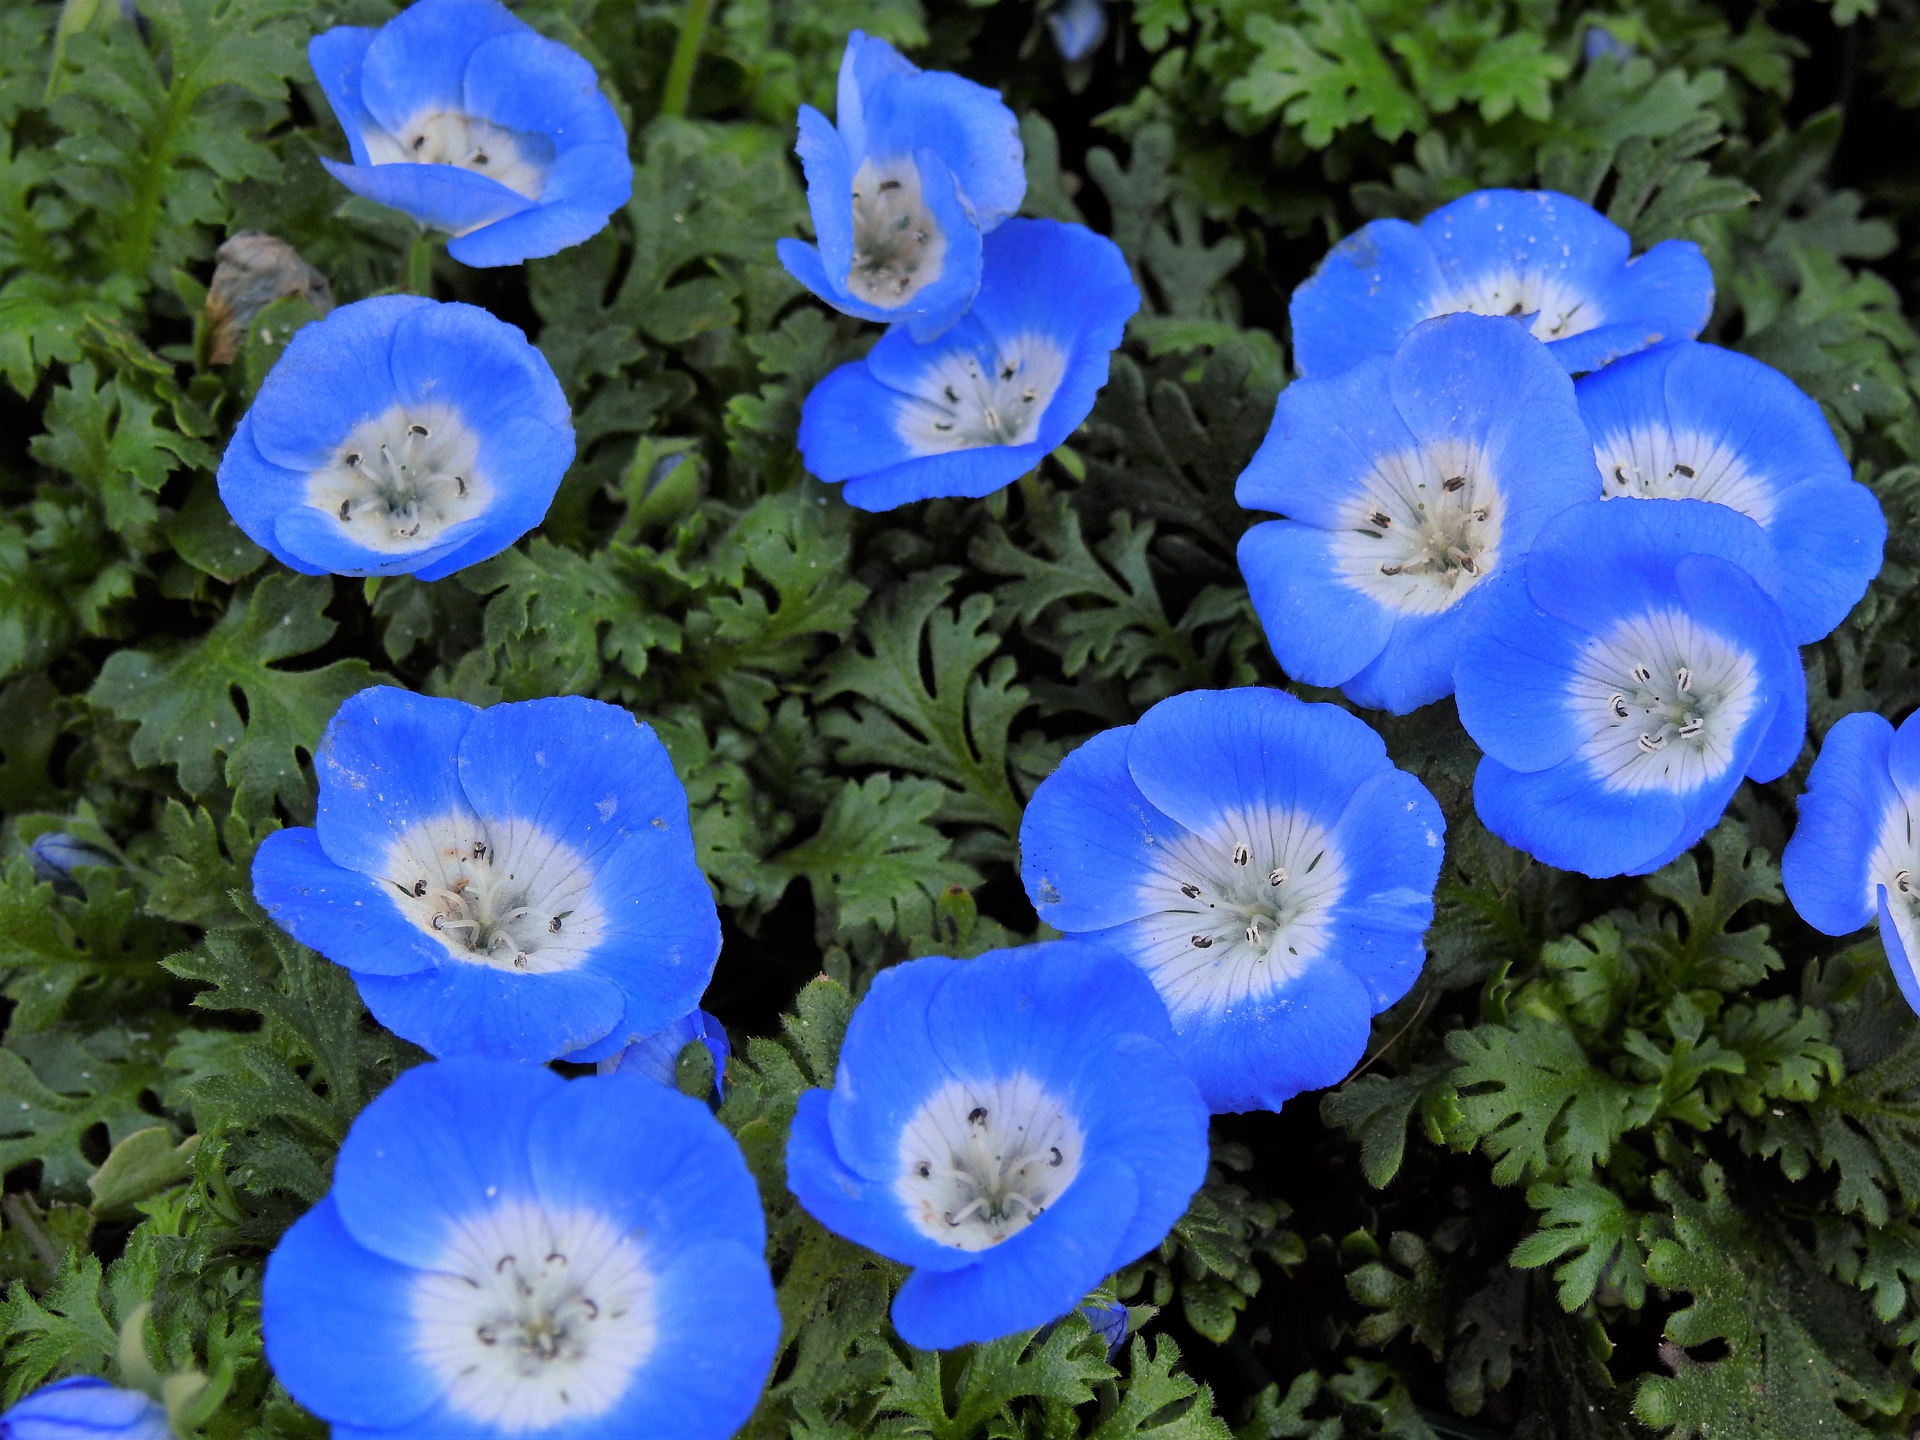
[(1450, 526), (1001, 329)]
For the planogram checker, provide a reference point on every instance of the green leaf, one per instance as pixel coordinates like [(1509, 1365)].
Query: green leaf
[(1324, 76), (96, 945), (1159, 1400), (1063, 1367), (182, 703), (1374, 1110), (1702, 951), (102, 432), (55, 1086), (1413, 1297), (1590, 1229), (68, 1333)]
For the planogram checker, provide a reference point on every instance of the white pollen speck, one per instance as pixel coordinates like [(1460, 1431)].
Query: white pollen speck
[(607, 806)]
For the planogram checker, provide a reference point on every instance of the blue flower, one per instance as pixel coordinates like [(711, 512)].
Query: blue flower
[(1412, 483), (1077, 26), (517, 882), (505, 1253), (1855, 854), (1561, 266), (1622, 691), (922, 166), (654, 1055), (1262, 861), (1109, 1322), (1012, 1127), (1691, 421), (469, 121), (982, 405), (84, 1408), (398, 436), (55, 855)]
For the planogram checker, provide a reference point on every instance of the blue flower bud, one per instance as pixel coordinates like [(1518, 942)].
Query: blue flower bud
[(654, 1055), (1077, 27), (1109, 1322), (55, 855), (85, 1408)]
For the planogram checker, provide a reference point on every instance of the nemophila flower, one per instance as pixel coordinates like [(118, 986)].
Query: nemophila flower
[(1624, 689), (1014, 1128), (517, 882), (1077, 26), (1693, 421), (505, 1253), (1411, 482), (398, 436), (469, 121), (655, 1056), (1855, 854), (1109, 1322), (55, 855), (1265, 865), (980, 406), (921, 166), (85, 1408), (1561, 267)]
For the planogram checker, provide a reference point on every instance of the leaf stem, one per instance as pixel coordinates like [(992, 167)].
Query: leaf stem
[(417, 279), (686, 55)]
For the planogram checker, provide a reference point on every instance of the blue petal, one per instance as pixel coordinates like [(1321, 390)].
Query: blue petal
[(887, 1067), (1201, 755), (866, 64), (442, 197), (338, 1324), (1036, 1276), (542, 231), (967, 125), (523, 81), (387, 762), (442, 1144), (1156, 1121), (256, 491), (1903, 757), (418, 61), (856, 1207), (1415, 666), (648, 1157), (83, 1407), (1327, 437), (342, 913), (332, 375), (462, 356), (1897, 958), (336, 56), (967, 474), (1564, 817), (829, 173), (1779, 749), (1373, 287), (1849, 793), (1391, 841), (1511, 681), (1322, 630), (1724, 599), (656, 1056), (469, 1009), (848, 429), (1529, 232), (1087, 838), (1831, 537), (1662, 296), (318, 540)]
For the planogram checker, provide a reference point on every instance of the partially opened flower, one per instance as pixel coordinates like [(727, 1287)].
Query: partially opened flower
[(467, 119), (980, 406), (1624, 690), (518, 881), (398, 436), (1266, 866), (1560, 266), (84, 1408), (656, 1056), (921, 166), (1411, 482), (1012, 1127), (1693, 421), (505, 1253)]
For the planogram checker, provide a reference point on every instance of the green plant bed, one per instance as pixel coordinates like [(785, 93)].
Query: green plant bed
[(1632, 1158)]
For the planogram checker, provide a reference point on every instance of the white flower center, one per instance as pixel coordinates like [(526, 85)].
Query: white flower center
[(1649, 462), (1662, 702), (898, 246), (1896, 864), (981, 1159), (1423, 529), (962, 402), (532, 1317), (500, 893), (517, 159), (1558, 310), (400, 480), (1240, 909)]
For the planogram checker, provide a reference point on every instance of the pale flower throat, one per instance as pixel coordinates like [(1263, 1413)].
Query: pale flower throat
[(981, 1160), (1239, 910), (1650, 462), (1896, 864), (1558, 310), (517, 159), (1422, 529), (964, 400), (398, 482), (1661, 702), (898, 247), (531, 1317), (503, 894)]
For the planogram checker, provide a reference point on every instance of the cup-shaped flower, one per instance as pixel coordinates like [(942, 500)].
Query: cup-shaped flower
[(1412, 482), (656, 1056), (398, 436), (1855, 854), (517, 882), (468, 120), (1014, 1128), (84, 1408), (1693, 421), (1266, 866), (921, 166), (980, 406), (1564, 269), (506, 1253), (1622, 691)]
